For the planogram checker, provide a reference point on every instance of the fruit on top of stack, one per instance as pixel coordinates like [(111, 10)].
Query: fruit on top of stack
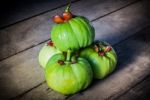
[(71, 31)]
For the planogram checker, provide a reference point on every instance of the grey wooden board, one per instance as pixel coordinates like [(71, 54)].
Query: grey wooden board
[(31, 32), (133, 66), (139, 92), (20, 73), (24, 68), (122, 24), (129, 73), (42, 93), (21, 10)]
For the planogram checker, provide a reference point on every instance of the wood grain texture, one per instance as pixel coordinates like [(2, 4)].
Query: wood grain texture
[(122, 23), (133, 66), (15, 11), (128, 74), (31, 32), (42, 93), (139, 92), (20, 73), (23, 71), (117, 37)]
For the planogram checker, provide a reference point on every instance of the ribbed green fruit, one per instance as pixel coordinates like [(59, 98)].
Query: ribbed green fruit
[(67, 77), (102, 58), (73, 34), (46, 53)]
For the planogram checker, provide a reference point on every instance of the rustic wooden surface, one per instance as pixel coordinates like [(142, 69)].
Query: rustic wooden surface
[(127, 75), (25, 9), (133, 66), (29, 33), (139, 92), (125, 24)]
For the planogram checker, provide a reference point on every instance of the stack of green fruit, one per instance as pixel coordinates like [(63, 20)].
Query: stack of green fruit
[(72, 59)]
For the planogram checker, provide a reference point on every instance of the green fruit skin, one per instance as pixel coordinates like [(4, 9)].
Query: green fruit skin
[(101, 65), (68, 78), (46, 53), (73, 34)]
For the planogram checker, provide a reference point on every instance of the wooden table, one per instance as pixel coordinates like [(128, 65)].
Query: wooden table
[(123, 23)]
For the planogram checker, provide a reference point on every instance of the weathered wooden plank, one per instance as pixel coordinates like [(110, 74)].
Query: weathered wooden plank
[(21, 10), (128, 73), (42, 93), (134, 65), (24, 68), (123, 23), (31, 32), (20, 73), (139, 92), (117, 39)]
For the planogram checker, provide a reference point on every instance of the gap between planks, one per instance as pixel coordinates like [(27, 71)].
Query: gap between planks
[(116, 32), (133, 68), (39, 13), (115, 10), (109, 98), (40, 42), (124, 96)]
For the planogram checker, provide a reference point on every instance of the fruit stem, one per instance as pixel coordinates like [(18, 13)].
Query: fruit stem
[(68, 55), (68, 7)]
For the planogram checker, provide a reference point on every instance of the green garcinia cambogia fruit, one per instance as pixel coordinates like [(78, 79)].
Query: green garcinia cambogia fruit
[(68, 75), (73, 33), (102, 58), (47, 51)]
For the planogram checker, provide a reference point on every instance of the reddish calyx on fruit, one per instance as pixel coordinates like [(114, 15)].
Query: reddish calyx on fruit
[(58, 19), (99, 49), (61, 62), (107, 49), (50, 43), (67, 16), (101, 53)]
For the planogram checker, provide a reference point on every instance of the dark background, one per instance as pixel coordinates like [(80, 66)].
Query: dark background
[(12, 11), (15, 11)]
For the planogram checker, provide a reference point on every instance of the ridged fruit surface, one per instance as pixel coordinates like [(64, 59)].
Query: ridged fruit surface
[(68, 77), (46, 53), (102, 58), (73, 34)]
